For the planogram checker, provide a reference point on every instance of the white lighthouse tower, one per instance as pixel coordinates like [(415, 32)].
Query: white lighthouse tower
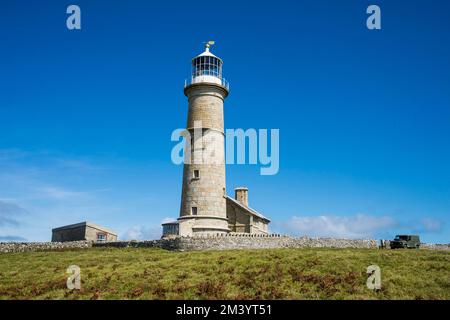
[(203, 207)]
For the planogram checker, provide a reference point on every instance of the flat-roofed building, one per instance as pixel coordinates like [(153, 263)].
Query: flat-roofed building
[(83, 231)]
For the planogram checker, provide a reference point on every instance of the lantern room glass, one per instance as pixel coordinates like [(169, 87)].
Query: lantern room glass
[(207, 66)]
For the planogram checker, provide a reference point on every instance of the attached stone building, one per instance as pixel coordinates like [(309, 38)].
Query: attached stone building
[(240, 217), (83, 231)]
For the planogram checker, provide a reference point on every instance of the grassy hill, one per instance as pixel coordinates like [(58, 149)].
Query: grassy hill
[(108, 273)]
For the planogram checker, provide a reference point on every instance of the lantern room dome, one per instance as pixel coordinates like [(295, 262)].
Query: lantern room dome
[(206, 53)]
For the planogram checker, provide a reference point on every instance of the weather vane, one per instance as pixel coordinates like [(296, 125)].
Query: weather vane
[(209, 44)]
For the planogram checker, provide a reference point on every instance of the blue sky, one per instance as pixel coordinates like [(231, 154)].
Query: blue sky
[(364, 116)]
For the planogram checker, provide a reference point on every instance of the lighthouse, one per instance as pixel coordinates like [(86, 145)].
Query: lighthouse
[(203, 202), (205, 207)]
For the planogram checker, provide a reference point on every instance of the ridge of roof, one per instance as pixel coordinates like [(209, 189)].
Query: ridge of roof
[(253, 211)]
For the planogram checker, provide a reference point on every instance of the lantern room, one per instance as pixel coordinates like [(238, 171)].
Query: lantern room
[(206, 67)]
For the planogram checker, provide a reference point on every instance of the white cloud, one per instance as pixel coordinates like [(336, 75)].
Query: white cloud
[(55, 190), (358, 226), (12, 239), (58, 193), (12, 154), (142, 233), (77, 165), (9, 212), (167, 219), (430, 225), (17, 158), (145, 233)]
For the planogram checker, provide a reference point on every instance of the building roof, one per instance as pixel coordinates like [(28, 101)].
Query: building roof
[(206, 53), (83, 224), (248, 209), (170, 222)]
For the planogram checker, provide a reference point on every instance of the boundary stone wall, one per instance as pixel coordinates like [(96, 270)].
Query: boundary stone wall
[(6, 247), (435, 246), (224, 242), (210, 242)]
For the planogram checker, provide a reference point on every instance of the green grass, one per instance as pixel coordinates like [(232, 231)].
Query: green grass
[(108, 273)]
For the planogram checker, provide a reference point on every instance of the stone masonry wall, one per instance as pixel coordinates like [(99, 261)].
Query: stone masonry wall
[(242, 241), (266, 242), (230, 241), (226, 242), (434, 246), (6, 247)]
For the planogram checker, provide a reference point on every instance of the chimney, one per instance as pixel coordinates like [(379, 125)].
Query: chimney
[(241, 195)]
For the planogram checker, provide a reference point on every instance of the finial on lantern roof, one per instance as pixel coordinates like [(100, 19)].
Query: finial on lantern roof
[(209, 44)]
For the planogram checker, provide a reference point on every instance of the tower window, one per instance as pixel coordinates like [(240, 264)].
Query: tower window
[(194, 211), (196, 174)]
